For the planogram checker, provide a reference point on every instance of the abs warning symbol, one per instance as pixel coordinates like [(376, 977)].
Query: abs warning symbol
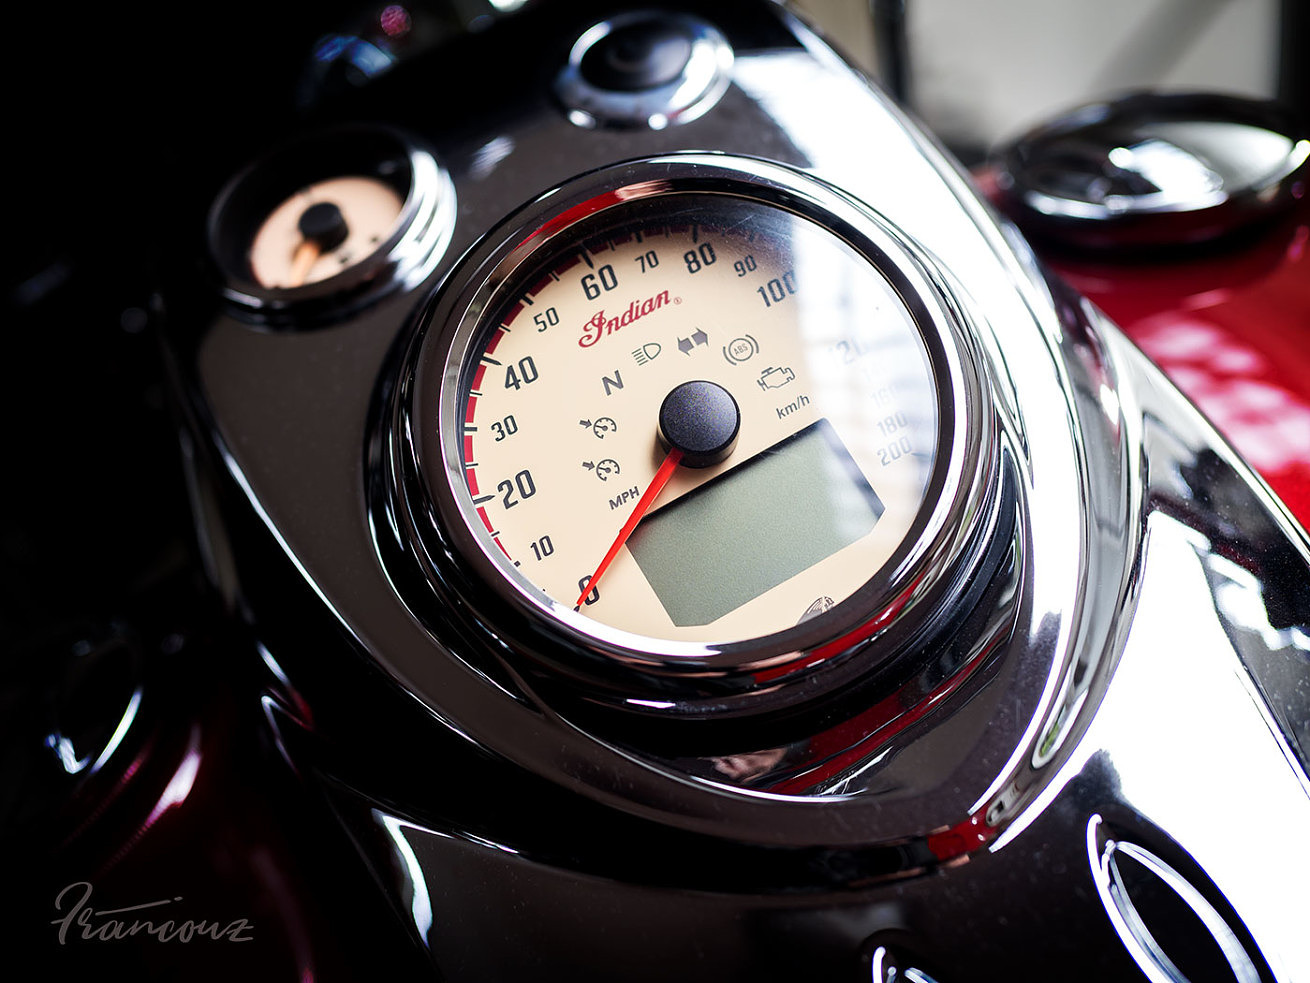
[(740, 349)]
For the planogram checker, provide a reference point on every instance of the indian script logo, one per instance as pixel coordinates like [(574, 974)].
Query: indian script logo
[(599, 325)]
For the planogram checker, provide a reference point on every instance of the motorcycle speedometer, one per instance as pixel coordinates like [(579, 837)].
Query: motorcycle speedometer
[(855, 455)]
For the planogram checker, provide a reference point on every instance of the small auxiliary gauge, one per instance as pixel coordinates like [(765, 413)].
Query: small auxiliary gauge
[(698, 417), (332, 220), (323, 229)]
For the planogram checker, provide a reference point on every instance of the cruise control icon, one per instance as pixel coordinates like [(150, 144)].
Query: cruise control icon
[(775, 378)]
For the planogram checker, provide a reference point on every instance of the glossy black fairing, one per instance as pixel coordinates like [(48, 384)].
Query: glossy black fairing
[(1005, 765)]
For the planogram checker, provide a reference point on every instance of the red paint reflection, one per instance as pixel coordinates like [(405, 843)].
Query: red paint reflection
[(1231, 327)]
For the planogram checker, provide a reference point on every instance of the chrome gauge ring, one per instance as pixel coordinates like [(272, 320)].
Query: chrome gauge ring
[(639, 85), (698, 422), (330, 222)]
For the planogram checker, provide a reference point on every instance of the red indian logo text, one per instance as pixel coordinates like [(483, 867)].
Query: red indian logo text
[(600, 325)]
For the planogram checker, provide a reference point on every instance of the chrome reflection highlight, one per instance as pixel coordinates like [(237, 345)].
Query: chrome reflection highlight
[(68, 754), (884, 969), (1128, 921), (420, 904), (184, 778)]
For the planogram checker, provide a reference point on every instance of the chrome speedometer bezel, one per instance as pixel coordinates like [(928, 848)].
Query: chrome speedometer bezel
[(905, 598)]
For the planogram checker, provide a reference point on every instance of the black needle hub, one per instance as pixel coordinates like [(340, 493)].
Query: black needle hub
[(323, 224), (702, 420)]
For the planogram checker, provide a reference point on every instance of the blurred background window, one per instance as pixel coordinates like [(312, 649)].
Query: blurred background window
[(977, 72)]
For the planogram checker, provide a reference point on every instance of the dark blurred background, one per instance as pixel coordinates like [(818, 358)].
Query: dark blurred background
[(111, 115)]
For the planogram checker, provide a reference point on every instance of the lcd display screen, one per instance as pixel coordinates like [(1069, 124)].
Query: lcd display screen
[(755, 526)]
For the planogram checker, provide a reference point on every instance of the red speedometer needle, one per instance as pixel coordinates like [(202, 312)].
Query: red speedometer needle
[(662, 476)]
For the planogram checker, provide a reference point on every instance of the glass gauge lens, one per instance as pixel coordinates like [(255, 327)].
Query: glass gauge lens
[(322, 229), (555, 433)]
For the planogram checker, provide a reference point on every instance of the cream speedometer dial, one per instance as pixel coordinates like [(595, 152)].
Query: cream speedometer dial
[(718, 418), (838, 421)]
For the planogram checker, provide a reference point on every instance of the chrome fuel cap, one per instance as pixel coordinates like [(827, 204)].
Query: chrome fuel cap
[(1154, 170)]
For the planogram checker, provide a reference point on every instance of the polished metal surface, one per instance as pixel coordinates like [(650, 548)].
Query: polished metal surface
[(1115, 863), (885, 968), (1151, 169), (695, 89)]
